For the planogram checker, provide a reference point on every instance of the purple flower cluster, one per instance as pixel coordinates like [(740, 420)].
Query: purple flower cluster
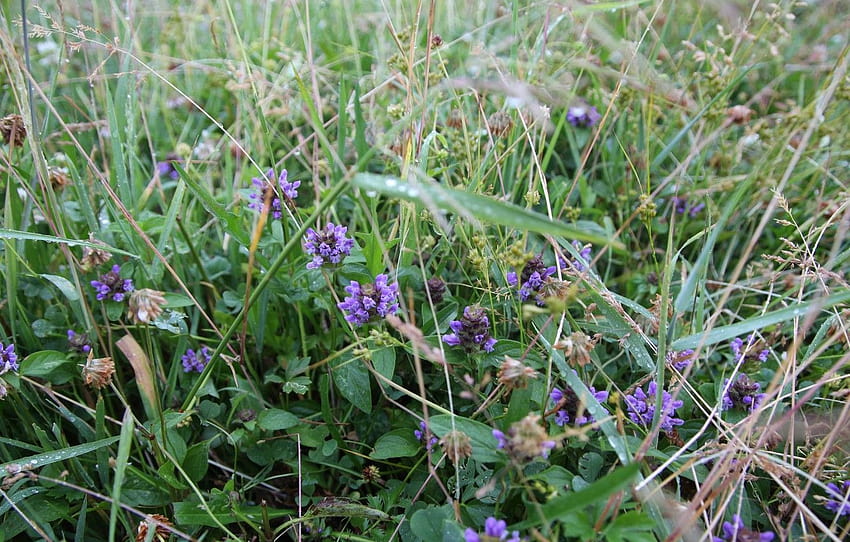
[(583, 116), (166, 167), (839, 501), (681, 206), (735, 531), (746, 351), (580, 264), (8, 358), (289, 191), (571, 409), (472, 331), (742, 393), (494, 530), (327, 246), (367, 302), (641, 408), (79, 342), (112, 286), (680, 360), (424, 436), (196, 361), (532, 278)]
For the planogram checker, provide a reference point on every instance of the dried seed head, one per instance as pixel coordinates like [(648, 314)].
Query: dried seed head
[(455, 119), (145, 305), (58, 177), (525, 440), (456, 445), (13, 130), (94, 257), (513, 374), (436, 41), (500, 123), (435, 287), (739, 114), (371, 473), (97, 372), (577, 348), (161, 533)]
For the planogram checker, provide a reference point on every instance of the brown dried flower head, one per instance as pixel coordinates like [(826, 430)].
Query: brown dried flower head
[(13, 130), (97, 372), (58, 177), (455, 119), (94, 257), (577, 348), (525, 440), (513, 374), (145, 305), (739, 114), (456, 445), (161, 532), (500, 124), (371, 473)]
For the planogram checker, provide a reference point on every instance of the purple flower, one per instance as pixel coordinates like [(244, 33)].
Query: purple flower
[(641, 408), (494, 530), (8, 358), (742, 393), (192, 361), (367, 302), (534, 275), (422, 435), (681, 206), (571, 408), (79, 342), (472, 331), (166, 168), (265, 188), (585, 253), (525, 440), (748, 351), (112, 286), (680, 360), (840, 498), (583, 116), (328, 246), (736, 532)]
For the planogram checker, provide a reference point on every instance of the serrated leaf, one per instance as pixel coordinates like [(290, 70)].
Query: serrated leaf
[(485, 209)]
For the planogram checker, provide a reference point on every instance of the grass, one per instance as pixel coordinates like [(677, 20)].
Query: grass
[(614, 238)]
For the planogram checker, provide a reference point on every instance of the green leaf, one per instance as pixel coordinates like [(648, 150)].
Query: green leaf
[(589, 466), (275, 419), (724, 333), (40, 460), (428, 523), (27, 236), (488, 210), (384, 361), (335, 507), (196, 463), (42, 364), (483, 442), (396, 443), (65, 286), (352, 380)]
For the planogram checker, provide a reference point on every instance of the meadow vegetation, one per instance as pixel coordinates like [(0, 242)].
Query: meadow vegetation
[(450, 270)]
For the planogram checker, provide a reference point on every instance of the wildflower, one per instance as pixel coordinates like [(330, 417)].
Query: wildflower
[(472, 331), (145, 305), (525, 439), (94, 257), (743, 393), (750, 351), (8, 358), (289, 191), (328, 246), (166, 168), (513, 374), (58, 177), (78, 342), (736, 532), (192, 361), (577, 348), (13, 130), (840, 498), (112, 286), (570, 408), (585, 253), (456, 445), (436, 289), (739, 114), (583, 116), (366, 302), (494, 530), (681, 206), (532, 279), (500, 124), (641, 408), (680, 360), (371, 473), (162, 528), (97, 372), (424, 435)]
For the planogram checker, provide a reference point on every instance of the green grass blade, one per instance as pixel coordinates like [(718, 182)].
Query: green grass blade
[(54, 456), (124, 446)]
